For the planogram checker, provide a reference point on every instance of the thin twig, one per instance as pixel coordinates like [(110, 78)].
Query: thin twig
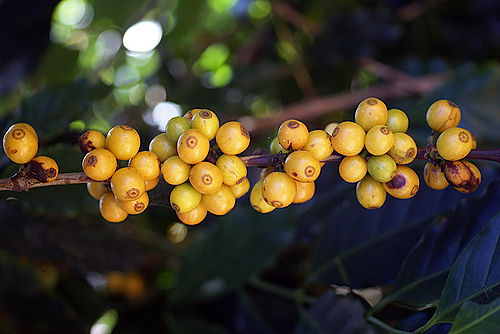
[(17, 183)]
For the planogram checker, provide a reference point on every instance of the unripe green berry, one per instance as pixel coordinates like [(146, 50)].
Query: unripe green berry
[(381, 167), (176, 126)]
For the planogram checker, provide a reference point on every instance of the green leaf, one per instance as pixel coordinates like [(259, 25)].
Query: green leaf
[(425, 270), (475, 276), (473, 318), (243, 244)]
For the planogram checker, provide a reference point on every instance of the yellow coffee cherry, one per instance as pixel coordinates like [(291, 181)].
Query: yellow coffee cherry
[(348, 138), (305, 191), (319, 144), (292, 134), (193, 217), (91, 140), (434, 176), (205, 177), (232, 138), (127, 184), (162, 147), (193, 146), (175, 171), (379, 139), (27, 126), (397, 120), (404, 149), (99, 164), (442, 115), (474, 141), (233, 169), (370, 193), (184, 198), (110, 210), (257, 201), (302, 166), (275, 146), (454, 144), (330, 127), (370, 112), (381, 167), (150, 184), (135, 206), (279, 189), (190, 114), (207, 122), (146, 163), (123, 141), (20, 144), (352, 169), (241, 188), (43, 169), (462, 175), (97, 189), (404, 184), (266, 171), (176, 126), (220, 202)]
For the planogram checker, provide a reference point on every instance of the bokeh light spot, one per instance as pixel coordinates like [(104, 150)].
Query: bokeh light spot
[(143, 36), (163, 112)]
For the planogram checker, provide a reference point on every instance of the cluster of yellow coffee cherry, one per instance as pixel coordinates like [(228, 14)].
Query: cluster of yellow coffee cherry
[(376, 150), (206, 178), (20, 144), (199, 158), (292, 179), (120, 191), (453, 144), (183, 155)]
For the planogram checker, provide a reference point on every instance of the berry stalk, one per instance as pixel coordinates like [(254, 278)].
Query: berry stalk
[(23, 182)]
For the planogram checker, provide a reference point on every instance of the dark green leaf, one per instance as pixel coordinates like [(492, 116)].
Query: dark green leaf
[(334, 315), (242, 244), (424, 272), (473, 318), (474, 276), (359, 247)]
